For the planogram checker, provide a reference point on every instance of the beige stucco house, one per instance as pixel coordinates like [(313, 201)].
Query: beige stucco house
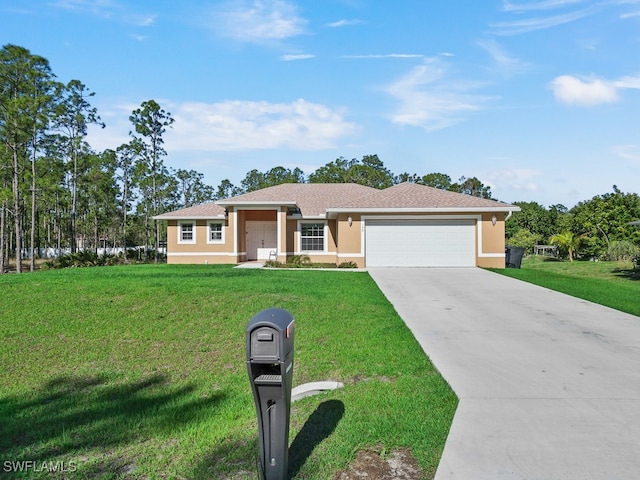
[(404, 225)]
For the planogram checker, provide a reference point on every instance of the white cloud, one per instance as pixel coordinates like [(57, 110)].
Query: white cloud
[(293, 57), (533, 24), (143, 20), (233, 125), (505, 62), (540, 5), (526, 25), (632, 82), (344, 23), (428, 98), (84, 4), (108, 9), (567, 11), (387, 55), (575, 91), (243, 125), (116, 132), (259, 21), (516, 179), (628, 152)]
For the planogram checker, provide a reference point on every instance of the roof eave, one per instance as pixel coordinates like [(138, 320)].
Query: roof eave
[(309, 217), (188, 217), (506, 208), (250, 203)]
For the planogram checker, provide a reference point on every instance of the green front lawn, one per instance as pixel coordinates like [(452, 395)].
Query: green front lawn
[(613, 284), (139, 372)]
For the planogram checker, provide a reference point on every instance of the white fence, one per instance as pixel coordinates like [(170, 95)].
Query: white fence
[(56, 252)]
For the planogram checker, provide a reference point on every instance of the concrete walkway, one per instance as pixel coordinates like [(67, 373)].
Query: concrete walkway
[(549, 385)]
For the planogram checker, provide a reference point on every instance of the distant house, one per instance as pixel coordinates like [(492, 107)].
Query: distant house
[(404, 225)]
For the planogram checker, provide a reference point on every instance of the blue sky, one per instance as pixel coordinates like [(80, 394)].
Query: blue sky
[(540, 99)]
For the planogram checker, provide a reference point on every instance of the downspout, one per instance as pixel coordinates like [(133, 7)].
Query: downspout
[(508, 215)]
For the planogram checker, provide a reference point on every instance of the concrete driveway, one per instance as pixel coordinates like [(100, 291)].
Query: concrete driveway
[(549, 385)]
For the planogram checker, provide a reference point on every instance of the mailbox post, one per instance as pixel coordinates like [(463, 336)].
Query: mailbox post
[(270, 367)]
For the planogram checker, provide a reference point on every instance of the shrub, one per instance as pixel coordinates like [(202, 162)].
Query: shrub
[(297, 261), (524, 238), (622, 250), (83, 258), (273, 264), (348, 264)]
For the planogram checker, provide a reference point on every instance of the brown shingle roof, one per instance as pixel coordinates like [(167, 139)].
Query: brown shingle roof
[(413, 196), (317, 199), (206, 210), (312, 199)]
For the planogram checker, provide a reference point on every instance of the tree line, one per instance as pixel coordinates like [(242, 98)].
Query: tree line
[(57, 194), (598, 228)]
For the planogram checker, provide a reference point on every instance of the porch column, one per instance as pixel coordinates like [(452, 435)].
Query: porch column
[(281, 225)]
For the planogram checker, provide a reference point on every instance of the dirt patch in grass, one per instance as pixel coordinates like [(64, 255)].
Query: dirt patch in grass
[(397, 465)]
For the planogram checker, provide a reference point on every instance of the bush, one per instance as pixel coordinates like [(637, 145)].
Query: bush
[(83, 258), (297, 261), (273, 264), (348, 264), (622, 250), (524, 238)]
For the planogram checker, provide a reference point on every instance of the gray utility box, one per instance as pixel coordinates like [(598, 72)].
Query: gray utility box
[(270, 367)]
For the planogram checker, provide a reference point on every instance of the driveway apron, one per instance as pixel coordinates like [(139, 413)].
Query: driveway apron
[(549, 385)]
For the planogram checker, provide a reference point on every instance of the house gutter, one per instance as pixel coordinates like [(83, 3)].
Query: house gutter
[(250, 203), (333, 212), (422, 209), (188, 217)]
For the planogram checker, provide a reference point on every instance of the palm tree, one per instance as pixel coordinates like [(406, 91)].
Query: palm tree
[(568, 241)]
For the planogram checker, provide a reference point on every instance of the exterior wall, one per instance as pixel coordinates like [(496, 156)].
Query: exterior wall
[(344, 242), (290, 237), (490, 242), (350, 239), (331, 237), (259, 215), (493, 242), (200, 251), (202, 260)]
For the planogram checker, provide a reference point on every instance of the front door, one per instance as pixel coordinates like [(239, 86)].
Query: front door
[(261, 236)]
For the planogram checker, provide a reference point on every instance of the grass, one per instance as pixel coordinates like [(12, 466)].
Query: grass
[(613, 284), (139, 372)]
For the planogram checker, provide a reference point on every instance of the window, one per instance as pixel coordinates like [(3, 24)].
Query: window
[(187, 233), (312, 237), (216, 233)]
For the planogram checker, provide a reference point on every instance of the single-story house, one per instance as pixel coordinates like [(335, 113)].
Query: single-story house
[(403, 225)]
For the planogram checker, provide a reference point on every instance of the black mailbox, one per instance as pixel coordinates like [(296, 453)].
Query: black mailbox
[(270, 367)]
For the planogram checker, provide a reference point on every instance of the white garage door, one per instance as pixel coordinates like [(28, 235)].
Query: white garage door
[(420, 243)]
